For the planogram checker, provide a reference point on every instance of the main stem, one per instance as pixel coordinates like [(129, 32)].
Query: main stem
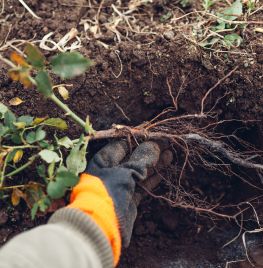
[(69, 112)]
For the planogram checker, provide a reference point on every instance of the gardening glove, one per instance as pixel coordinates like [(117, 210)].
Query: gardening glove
[(106, 191), (253, 245), (253, 242)]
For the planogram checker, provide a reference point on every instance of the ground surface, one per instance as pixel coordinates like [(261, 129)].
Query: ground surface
[(135, 64)]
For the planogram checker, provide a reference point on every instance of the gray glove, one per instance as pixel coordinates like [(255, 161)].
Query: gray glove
[(253, 242), (119, 179)]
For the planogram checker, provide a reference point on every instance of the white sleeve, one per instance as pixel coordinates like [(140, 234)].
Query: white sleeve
[(59, 244)]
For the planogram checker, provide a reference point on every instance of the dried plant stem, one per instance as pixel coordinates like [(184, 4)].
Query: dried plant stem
[(8, 62), (29, 9)]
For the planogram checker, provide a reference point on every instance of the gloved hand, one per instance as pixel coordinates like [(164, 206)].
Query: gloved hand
[(106, 192), (119, 179)]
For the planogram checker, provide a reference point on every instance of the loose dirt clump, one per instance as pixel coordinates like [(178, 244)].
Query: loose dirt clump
[(147, 60)]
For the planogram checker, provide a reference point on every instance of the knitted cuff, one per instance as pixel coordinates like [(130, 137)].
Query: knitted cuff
[(91, 196), (81, 223)]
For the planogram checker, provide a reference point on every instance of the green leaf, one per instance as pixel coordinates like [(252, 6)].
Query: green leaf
[(232, 40), (44, 84), (56, 189), (34, 136), (49, 156), (10, 156), (34, 56), (66, 142), (40, 134), (20, 125), (166, 16), (31, 137), (16, 139), (68, 178), (41, 171), (232, 12), (219, 27), (51, 147), (28, 120), (9, 119), (185, 3), (64, 178), (44, 144), (76, 161), (3, 130), (3, 110), (2, 194), (34, 211), (69, 64), (57, 123), (44, 204), (207, 4)]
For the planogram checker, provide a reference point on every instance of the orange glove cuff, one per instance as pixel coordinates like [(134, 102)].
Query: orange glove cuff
[(91, 196)]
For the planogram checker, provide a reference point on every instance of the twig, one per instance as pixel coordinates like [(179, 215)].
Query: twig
[(61, 45), (8, 62), (213, 87), (122, 111), (99, 10), (117, 105), (3, 7), (29, 9), (171, 94), (117, 52), (255, 11)]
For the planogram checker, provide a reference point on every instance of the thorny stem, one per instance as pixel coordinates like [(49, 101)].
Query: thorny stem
[(19, 147), (18, 186), (68, 111), (29, 9), (2, 173), (16, 171), (12, 187)]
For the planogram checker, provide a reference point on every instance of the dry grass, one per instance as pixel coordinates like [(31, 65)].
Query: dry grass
[(138, 21)]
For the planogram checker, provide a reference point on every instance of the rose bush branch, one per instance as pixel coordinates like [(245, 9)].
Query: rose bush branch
[(65, 65), (58, 161)]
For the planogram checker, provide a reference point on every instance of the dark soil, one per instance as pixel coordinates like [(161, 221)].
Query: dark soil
[(134, 91)]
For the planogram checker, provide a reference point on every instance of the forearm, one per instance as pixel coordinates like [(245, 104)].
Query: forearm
[(71, 239)]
